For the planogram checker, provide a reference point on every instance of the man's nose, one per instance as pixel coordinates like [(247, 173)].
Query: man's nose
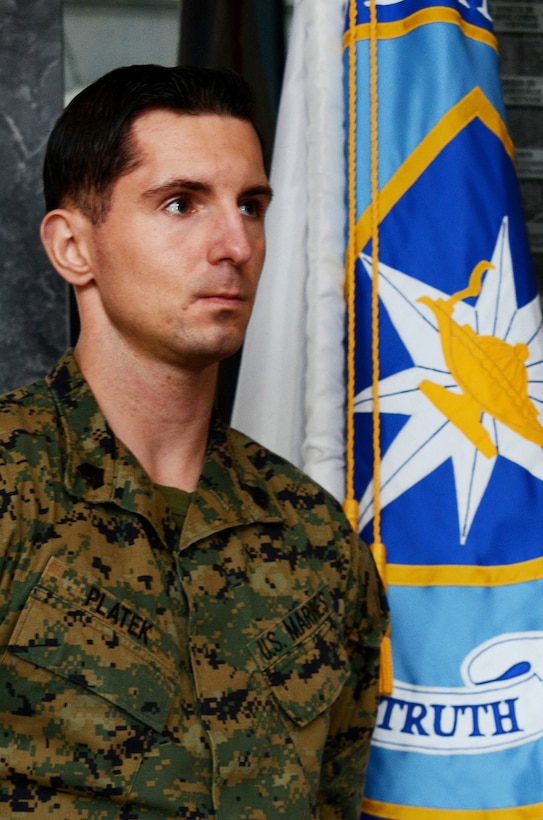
[(232, 237)]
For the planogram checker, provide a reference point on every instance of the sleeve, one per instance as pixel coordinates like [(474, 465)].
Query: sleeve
[(353, 714)]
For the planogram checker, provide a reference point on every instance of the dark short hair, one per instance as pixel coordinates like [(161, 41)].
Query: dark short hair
[(90, 146)]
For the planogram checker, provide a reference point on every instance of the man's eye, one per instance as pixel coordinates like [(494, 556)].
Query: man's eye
[(252, 208), (179, 206)]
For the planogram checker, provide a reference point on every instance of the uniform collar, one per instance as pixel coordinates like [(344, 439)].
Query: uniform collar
[(100, 469), (231, 490)]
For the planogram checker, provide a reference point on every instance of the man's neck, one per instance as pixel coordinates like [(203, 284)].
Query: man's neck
[(161, 413)]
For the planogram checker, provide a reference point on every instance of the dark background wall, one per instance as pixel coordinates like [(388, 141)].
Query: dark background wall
[(33, 316), (519, 28)]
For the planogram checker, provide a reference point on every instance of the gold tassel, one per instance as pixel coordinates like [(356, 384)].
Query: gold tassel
[(386, 674), (350, 508)]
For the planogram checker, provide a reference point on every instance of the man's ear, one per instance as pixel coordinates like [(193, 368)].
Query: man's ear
[(65, 235)]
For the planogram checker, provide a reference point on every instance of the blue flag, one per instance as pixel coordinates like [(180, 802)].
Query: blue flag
[(460, 399)]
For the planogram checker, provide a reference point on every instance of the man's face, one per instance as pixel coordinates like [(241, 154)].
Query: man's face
[(177, 259)]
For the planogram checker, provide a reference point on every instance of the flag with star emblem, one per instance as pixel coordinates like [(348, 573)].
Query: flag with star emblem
[(459, 394)]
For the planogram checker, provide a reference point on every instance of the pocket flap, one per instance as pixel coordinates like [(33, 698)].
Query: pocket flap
[(309, 680), (59, 634), (303, 659)]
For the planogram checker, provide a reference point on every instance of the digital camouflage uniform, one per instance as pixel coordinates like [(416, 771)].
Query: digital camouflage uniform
[(146, 673)]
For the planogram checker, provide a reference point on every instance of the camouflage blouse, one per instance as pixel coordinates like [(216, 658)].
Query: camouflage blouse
[(225, 671)]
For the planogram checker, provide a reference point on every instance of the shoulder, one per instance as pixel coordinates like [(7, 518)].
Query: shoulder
[(29, 441), (35, 410), (271, 466), (26, 411), (291, 488)]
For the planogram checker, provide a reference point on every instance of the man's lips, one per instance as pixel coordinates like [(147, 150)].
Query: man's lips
[(223, 298), (226, 294)]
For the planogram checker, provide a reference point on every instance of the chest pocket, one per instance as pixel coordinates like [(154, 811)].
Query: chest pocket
[(303, 659), (102, 684)]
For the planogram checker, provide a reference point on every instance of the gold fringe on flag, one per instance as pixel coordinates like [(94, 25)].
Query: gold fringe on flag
[(351, 505)]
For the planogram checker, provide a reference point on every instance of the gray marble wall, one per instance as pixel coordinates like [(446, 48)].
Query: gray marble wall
[(33, 298)]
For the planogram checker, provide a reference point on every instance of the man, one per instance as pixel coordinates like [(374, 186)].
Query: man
[(189, 627)]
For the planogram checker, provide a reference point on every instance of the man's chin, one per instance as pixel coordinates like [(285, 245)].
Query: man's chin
[(208, 357)]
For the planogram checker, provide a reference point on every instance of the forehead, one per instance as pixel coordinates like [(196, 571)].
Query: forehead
[(163, 136)]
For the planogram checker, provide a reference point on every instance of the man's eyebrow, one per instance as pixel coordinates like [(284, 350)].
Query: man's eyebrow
[(259, 190), (173, 186)]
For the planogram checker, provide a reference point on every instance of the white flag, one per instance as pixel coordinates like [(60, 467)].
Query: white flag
[(290, 393)]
